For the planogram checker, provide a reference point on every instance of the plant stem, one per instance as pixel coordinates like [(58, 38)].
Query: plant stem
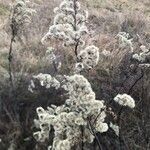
[(82, 136), (131, 88), (119, 124), (96, 137), (10, 62), (75, 28)]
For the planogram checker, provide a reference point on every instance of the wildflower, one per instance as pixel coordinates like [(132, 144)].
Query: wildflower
[(68, 118), (65, 27), (79, 67), (101, 127), (143, 57), (89, 57), (125, 100), (47, 80)]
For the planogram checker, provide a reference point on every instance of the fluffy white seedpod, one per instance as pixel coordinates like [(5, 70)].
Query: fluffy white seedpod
[(59, 18), (101, 127), (40, 110), (83, 30), (45, 127), (80, 121), (125, 100), (78, 5), (67, 6), (79, 67), (47, 80), (89, 57), (143, 57), (56, 9), (136, 56), (41, 136), (63, 145), (80, 19), (37, 135), (144, 66)]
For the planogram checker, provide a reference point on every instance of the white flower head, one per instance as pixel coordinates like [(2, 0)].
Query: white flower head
[(89, 57), (47, 80), (142, 57), (125, 100), (101, 127), (79, 67)]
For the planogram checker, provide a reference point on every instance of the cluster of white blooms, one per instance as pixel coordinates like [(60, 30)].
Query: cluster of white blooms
[(124, 40), (70, 27), (68, 118), (21, 14), (47, 80), (125, 100), (69, 23), (88, 58), (81, 114), (143, 56)]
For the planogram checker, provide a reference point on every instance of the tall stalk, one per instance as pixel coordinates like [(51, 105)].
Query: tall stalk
[(75, 28)]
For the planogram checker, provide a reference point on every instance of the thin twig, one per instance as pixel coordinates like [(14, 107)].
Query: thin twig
[(96, 137), (82, 134), (119, 123), (10, 62)]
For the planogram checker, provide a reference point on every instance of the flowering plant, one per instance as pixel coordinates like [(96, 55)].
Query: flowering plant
[(70, 27), (81, 116)]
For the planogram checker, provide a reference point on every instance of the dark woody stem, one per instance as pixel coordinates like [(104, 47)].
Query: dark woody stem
[(75, 28), (95, 135)]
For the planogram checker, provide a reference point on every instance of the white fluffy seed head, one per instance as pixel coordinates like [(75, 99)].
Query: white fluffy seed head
[(89, 57), (125, 100), (65, 16), (68, 118), (142, 57)]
